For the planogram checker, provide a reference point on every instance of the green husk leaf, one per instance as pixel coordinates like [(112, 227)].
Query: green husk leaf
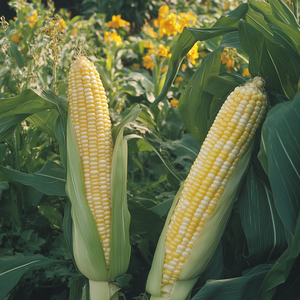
[(87, 247), (120, 217), (206, 243), (154, 277)]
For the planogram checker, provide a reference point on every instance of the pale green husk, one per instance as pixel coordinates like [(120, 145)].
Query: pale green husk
[(87, 247), (206, 243)]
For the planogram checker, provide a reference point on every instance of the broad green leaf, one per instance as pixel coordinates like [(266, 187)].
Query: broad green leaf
[(284, 33), (231, 18), (144, 222), (194, 103), (186, 41), (231, 39), (281, 269), (261, 224), (280, 145), (14, 110), (282, 12), (50, 180), (257, 21), (45, 121), (244, 287), (12, 268), (265, 59), (52, 214)]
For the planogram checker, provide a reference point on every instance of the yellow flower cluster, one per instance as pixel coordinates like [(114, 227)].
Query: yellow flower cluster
[(228, 57), (174, 103), (33, 18), (246, 73), (112, 36), (117, 22), (193, 54), (161, 52), (16, 38), (169, 23)]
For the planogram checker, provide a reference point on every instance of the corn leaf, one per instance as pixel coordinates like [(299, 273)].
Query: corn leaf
[(282, 13), (194, 103), (280, 146), (261, 223), (282, 268), (144, 222), (265, 59), (14, 110), (45, 121), (283, 33), (49, 180), (12, 268), (244, 287)]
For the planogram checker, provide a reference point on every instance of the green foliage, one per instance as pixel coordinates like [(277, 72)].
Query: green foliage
[(258, 256)]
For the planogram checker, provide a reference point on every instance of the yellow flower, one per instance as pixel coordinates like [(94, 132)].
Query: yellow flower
[(112, 36), (16, 38), (226, 5), (164, 69), (33, 18), (162, 12), (148, 44), (61, 24), (174, 103), (148, 63), (150, 51), (184, 66), (117, 22), (137, 66), (228, 57), (163, 51), (186, 19), (246, 73), (178, 79), (73, 32), (193, 54), (168, 26)]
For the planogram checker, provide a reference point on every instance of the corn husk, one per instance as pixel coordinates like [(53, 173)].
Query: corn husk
[(87, 247), (205, 245)]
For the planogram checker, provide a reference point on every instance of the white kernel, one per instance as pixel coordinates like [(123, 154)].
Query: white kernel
[(215, 186), (171, 268), (197, 215), (227, 148), (185, 254), (180, 247), (207, 199), (181, 232), (186, 220), (211, 175), (202, 206), (206, 216), (166, 277), (227, 164)]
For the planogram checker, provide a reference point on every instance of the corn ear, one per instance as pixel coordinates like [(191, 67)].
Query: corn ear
[(99, 267), (196, 225)]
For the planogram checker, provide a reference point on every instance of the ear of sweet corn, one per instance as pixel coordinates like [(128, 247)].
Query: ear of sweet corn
[(96, 182), (194, 227)]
